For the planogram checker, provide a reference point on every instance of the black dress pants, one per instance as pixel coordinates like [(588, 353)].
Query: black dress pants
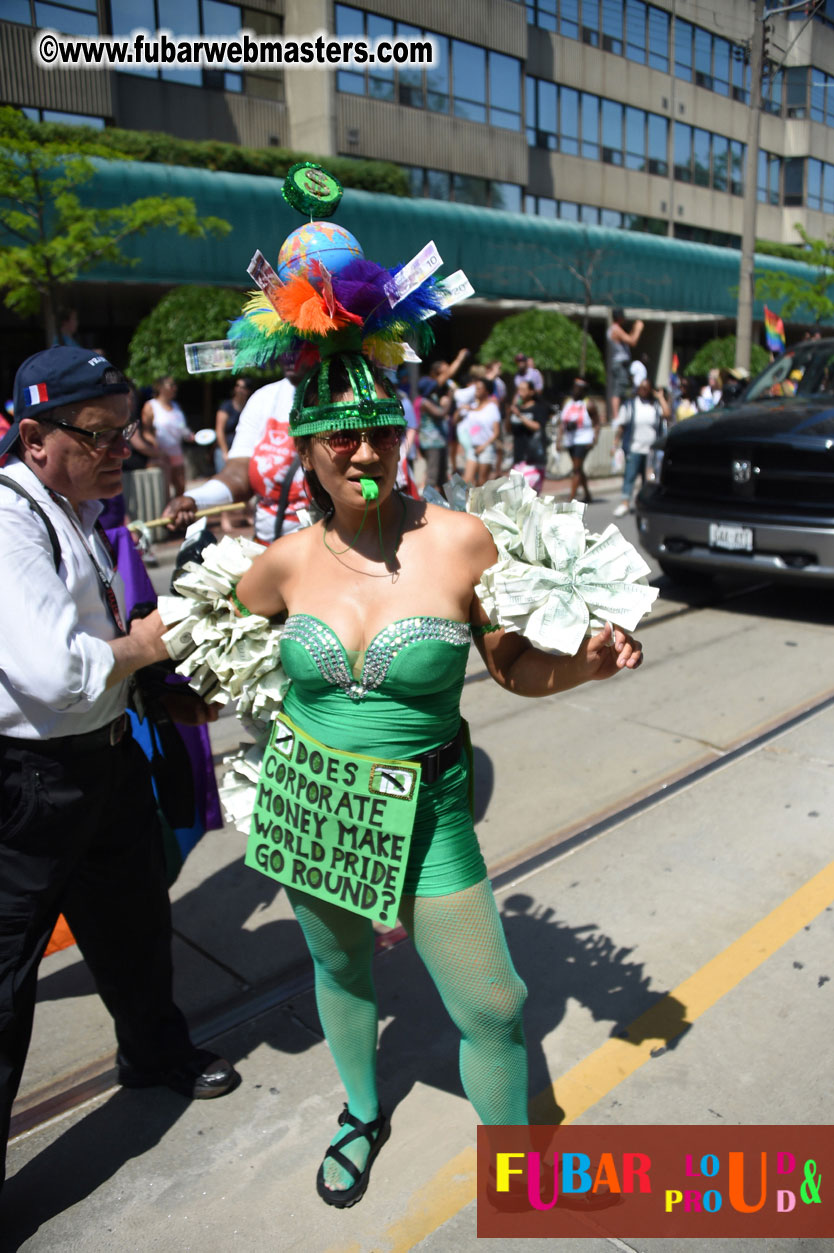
[(79, 834)]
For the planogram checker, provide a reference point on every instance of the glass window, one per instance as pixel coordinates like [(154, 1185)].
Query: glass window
[(703, 57), (635, 139), (71, 119), (658, 39), (701, 153), (351, 83), (350, 22), (612, 132), (720, 158), (542, 14), (818, 84), (415, 179), (469, 81), (468, 190), (772, 93), (544, 114), (67, 21), (569, 121), (506, 196), (683, 49), (774, 178), (740, 74), (590, 127), (410, 77), (568, 19), (683, 152), (721, 52), (636, 30), (612, 26), (796, 90), (438, 184), (829, 100), (181, 17), (568, 211), (827, 188), (611, 218), (589, 215), (504, 91), (546, 208), (437, 76), (761, 177), (737, 154), (18, 11), (531, 112), (590, 23), (658, 144), (127, 15), (793, 181), (220, 19), (380, 77)]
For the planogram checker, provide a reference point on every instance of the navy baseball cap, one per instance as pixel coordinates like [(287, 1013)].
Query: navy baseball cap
[(60, 376)]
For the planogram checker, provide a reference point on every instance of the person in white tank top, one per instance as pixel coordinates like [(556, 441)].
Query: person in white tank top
[(164, 424)]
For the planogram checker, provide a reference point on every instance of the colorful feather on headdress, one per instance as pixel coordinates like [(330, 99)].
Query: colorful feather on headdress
[(318, 308)]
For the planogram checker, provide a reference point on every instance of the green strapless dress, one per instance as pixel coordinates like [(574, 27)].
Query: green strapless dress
[(398, 701)]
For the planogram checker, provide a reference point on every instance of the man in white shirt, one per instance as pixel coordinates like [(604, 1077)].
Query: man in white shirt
[(262, 462), (79, 832)]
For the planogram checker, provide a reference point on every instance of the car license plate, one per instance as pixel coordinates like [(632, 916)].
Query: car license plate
[(731, 538)]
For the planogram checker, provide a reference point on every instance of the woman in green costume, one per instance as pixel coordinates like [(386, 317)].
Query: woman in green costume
[(381, 605)]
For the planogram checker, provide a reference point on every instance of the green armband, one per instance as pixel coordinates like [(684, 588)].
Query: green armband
[(241, 608), (485, 629)]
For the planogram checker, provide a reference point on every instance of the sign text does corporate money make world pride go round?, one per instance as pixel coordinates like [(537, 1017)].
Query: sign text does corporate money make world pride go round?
[(336, 825)]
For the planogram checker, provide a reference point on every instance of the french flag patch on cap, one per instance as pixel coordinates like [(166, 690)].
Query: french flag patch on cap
[(36, 395)]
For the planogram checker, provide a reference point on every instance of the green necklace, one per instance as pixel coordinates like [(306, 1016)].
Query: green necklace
[(352, 544)]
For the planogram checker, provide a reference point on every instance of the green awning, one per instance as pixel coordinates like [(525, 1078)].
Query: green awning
[(506, 256)]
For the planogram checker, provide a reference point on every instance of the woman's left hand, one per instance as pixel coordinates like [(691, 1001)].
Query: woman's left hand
[(612, 649)]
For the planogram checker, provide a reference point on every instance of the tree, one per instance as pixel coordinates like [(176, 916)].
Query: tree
[(550, 338), (718, 354), (794, 293), (186, 315), (48, 236)]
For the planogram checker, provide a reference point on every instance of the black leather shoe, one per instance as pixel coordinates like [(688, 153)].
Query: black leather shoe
[(200, 1077)]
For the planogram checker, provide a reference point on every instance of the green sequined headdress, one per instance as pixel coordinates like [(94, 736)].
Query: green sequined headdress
[(366, 409), (327, 298)]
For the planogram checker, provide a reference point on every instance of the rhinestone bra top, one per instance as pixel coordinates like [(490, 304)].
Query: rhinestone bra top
[(331, 659)]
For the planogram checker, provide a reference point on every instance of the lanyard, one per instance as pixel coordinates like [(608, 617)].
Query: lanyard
[(105, 580)]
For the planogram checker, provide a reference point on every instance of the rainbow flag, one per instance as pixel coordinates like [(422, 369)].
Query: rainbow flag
[(774, 331), (675, 364)]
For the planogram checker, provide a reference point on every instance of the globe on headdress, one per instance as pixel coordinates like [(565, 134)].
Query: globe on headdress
[(326, 242)]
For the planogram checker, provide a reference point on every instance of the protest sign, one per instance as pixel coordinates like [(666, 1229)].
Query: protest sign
[(336, 825)]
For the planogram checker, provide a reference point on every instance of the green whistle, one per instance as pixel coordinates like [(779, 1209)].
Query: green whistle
[(369, 489)]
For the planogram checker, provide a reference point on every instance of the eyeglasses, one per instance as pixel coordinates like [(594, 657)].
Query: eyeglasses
[(346, 443), (106, 438)]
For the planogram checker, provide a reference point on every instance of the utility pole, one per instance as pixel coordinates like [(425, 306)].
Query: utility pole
[(744, 314)]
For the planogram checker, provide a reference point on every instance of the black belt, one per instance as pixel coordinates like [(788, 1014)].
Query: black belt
[(436, 762), (103, 737)]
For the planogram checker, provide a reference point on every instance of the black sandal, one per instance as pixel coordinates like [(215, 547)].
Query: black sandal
[(376, 1133)]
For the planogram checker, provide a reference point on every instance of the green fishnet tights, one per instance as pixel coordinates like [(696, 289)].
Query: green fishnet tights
[(461, 942)]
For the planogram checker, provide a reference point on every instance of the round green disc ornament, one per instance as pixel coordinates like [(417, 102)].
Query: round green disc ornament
[(311, 190)]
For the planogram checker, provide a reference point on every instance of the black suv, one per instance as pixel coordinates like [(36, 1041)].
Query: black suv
[(749, 489)]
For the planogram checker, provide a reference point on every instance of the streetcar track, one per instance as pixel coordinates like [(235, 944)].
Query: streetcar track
[(56, 1101)]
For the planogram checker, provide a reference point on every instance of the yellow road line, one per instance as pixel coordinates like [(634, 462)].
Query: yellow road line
[(596, 1075)]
